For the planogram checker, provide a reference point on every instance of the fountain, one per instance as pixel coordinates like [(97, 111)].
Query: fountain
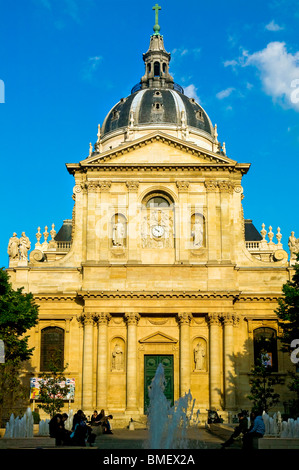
[(43, 427), (274, 426), (20, 427), (168, 425)]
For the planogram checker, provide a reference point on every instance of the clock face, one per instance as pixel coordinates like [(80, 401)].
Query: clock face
[(158, 231)]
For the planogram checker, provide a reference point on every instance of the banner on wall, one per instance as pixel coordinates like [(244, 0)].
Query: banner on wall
[(35, 387)]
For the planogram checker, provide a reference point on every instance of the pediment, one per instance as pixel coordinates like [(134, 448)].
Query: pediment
[(158, 337), (156, 148)]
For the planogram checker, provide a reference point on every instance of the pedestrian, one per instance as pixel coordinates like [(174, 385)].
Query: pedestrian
[(242, 428), (257, 429)]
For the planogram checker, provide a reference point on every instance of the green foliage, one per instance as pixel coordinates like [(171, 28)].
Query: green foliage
[(52, 393), (288, 310), (262, 383), (288, 314), (18, 313)]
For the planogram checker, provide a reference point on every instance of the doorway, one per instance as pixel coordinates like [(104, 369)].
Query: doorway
[(151, 363)]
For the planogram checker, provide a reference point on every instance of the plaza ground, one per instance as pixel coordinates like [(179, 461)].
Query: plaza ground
[(198, 438)]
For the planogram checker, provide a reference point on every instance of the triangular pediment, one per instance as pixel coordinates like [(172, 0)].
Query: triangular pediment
[(158, 337), (157, 148)]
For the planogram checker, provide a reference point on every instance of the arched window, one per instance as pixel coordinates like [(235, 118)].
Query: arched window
[(265, 347), (52, 348), (157, 69)]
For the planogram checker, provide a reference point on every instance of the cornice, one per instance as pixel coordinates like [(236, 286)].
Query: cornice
[(103, 160), (156, 295)]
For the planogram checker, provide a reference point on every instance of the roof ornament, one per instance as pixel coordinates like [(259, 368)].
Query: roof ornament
[(156, 27)]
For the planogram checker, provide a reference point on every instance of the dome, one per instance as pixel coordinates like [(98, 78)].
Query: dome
[(157, 103), (157, 107)]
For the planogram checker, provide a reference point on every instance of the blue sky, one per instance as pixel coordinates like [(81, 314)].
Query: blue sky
[(65, 63)]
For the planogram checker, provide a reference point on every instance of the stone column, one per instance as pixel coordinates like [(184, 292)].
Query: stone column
[(226, 190), (182, 225), (91, 221), (229, 373), (185, 359), (87, 320), (103, 360), (133, 221), (103, 222), (132, 322), (213, 239), (215, 360)]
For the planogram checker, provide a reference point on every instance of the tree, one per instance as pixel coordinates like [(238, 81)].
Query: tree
[(262, 382), (53, 388), (18, 313), (288, 314)]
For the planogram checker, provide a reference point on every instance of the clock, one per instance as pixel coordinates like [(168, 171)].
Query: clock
[(158, 231)]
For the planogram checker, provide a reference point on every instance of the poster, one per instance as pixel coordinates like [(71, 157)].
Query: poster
[(35, 386)]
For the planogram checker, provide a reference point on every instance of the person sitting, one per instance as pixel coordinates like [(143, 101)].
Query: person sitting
[(82, 432), (103, 421), (242, 428), (57, 429), (257, 430)]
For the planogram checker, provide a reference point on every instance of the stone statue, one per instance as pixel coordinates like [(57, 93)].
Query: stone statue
[(117, 358), (293, 246), (24, 247), (118, 234), (197, 233), (13, 247), (199, 356)]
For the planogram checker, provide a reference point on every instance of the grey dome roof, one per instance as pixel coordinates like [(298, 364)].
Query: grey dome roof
[(156, 106)]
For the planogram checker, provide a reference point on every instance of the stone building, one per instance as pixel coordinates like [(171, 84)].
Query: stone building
[(157, 263)]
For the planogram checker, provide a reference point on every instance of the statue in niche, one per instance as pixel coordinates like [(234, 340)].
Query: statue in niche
[(117, 358), (199, 356), (24, 246), (197, 233), (118, 234), (13, 247)]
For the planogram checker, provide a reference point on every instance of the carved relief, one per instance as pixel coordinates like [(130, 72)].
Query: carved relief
[(157, 228)]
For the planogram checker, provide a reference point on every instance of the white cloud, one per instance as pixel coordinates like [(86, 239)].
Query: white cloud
[(191, 92), (272, 26), (91, 66), (182, 51), (224, 93), (279, 72)]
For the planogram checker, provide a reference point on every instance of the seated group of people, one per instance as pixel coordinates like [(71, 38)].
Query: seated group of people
[(99, 419), (255, 430), (82, 430)]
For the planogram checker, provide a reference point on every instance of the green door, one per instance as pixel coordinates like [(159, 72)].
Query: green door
[(150, 366)]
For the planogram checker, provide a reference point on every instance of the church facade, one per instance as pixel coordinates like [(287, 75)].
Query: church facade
[(157, 264)]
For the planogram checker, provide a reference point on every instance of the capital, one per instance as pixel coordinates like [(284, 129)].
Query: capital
[(182, 185), (132, 318), (184, 318), (213, 319), (210, 185), (86, 318), (103, 318), (132, 185), (104, 185)]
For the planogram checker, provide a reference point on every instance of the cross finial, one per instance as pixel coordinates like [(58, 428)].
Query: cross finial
[(157, 27)]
